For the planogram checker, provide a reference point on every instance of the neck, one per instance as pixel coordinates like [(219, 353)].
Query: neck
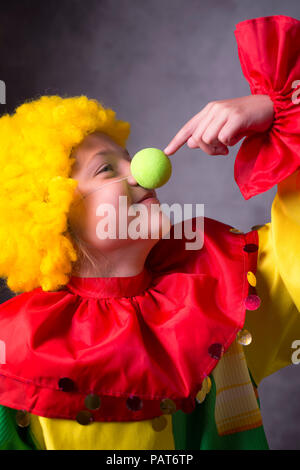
[(118, 263)]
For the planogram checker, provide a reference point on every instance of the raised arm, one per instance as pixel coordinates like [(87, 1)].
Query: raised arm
[(269, 53), (268, 49), (269, 119)]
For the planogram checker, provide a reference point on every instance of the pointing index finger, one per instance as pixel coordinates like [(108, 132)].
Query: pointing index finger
[(186, 131), (181, 137)]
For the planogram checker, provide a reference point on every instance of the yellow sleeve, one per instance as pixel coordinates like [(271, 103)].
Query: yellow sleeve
[(275, 325)]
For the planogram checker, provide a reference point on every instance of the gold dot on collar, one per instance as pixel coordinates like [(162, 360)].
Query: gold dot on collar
[(206, 384), (92, 401), (244, 337), (160, 423), (200, 397), (84, 417), (167, 406), (251, 278), (22, 418)]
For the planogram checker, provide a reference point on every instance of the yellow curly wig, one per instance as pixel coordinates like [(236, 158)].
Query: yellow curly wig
[(36, 191)]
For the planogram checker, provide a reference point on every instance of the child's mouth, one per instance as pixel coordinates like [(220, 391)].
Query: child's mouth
[(149, 200), (148, 195)]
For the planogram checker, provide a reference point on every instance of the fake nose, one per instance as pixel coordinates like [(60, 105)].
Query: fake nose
[(151, 168)]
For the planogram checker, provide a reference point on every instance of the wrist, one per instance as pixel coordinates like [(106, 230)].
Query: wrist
[(264, 112)]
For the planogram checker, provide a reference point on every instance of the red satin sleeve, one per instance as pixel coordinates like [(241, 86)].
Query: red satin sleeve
[(269, 53)]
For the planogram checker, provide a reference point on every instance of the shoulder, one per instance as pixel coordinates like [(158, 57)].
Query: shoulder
[(197, 242)]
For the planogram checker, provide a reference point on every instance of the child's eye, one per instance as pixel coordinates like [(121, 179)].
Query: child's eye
[(104, 169)]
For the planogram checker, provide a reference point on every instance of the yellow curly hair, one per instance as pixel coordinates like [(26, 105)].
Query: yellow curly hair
[(35, 189)]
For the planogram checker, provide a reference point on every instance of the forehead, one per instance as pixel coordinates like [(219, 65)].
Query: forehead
[(91, 144), (96, 140)]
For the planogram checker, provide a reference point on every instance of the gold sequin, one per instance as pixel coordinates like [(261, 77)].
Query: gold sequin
[(200, 397), (251, 278), (205, 389), (92, 402), (235, 230), (160, 423), (244, 337), (84, 417), (22, 418), (206, 384), (167, 406)]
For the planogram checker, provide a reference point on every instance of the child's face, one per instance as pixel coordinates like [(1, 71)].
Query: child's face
[(98, 177)]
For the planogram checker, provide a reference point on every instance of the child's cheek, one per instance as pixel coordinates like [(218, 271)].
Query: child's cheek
[(101, 219)]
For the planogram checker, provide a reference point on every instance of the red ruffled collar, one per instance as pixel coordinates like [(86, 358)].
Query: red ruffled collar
[(132, 342), (110, 287)]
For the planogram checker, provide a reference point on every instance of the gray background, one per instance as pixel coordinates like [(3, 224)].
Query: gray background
[(156, 63)]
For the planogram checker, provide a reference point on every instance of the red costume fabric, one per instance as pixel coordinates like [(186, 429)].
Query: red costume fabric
[(272, 67), (132, 341), (136, 341)]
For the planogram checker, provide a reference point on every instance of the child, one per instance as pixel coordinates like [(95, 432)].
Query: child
[(142, 344)]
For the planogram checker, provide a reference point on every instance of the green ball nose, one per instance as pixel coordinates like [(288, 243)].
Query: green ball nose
[(151, 168)]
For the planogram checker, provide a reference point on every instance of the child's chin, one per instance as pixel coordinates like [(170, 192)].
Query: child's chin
[(158, 227)]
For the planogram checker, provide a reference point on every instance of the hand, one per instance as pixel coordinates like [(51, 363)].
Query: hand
[(223, 123)]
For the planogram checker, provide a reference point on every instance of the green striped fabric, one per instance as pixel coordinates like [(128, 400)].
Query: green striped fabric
[(12, 437), (197, 430)]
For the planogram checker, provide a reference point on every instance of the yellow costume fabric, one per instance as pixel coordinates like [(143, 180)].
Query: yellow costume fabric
[(273, 326), (65, 434)]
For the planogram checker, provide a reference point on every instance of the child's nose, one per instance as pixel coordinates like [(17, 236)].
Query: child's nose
[(131, 180)]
